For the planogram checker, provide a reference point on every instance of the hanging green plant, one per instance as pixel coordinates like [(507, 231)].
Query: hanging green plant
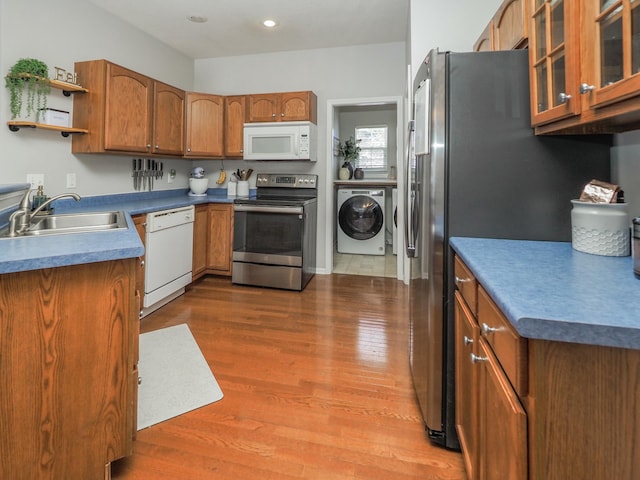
[(32, 75)]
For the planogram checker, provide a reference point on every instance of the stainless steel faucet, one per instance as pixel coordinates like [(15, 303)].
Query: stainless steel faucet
[(20, 220)]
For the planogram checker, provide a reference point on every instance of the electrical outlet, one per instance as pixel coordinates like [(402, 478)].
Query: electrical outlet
[(71, 180), (35, 179)]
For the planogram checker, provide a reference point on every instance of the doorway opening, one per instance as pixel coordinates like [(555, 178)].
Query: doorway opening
[(379, 124)]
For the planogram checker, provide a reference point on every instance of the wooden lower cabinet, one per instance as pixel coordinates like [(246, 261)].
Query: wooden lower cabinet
[(543, 410), (467, 386), (490, 420), (503, 422), (220, 239), (200, 236), (68, 370), (212, 240)]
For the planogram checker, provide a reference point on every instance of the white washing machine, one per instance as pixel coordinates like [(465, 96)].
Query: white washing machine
[(361, 221)]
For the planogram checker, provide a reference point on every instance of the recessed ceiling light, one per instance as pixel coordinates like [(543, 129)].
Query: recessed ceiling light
[(269, 23), (197, 18)]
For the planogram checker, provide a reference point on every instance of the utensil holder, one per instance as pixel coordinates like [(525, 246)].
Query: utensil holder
[(243, 188), (600, 228)]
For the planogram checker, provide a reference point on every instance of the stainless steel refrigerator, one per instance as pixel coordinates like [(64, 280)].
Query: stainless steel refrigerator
[(475, 169)]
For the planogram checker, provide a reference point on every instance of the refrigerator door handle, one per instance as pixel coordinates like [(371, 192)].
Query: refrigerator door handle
[(410, 229)]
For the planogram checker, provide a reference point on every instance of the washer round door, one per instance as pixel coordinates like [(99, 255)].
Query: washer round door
[(361, 217)]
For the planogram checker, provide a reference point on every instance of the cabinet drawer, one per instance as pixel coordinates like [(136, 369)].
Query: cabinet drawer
[(510, 349), (467, 284)]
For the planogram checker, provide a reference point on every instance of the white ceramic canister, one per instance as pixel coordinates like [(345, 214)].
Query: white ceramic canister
[(600, 228), (243, 188)]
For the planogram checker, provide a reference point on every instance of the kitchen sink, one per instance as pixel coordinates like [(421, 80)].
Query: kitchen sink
[(73, 223)]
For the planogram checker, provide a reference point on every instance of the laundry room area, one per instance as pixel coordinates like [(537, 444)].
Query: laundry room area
[(365, 188)]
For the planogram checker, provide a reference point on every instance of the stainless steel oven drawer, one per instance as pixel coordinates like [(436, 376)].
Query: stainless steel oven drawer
[(275, 276)]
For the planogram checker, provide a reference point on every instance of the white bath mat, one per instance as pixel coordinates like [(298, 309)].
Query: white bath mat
[(175, 376)]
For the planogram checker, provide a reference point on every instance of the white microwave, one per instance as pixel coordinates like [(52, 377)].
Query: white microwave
[(280, 141)]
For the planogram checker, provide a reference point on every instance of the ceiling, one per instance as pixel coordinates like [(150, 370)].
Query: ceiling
[(234, 27)]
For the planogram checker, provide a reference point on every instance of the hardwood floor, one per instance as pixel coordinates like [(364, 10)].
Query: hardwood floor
[(316, 385)]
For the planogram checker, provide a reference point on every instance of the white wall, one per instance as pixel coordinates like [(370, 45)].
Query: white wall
[(452, 25), (60, 33)]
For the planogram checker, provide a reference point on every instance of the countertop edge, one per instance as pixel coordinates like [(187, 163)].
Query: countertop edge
[(613, 328)]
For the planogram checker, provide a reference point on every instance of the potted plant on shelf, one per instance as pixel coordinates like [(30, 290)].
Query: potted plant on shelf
[(32, 75), (350, 150)]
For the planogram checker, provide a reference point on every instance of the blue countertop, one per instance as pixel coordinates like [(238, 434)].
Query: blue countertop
[(550, 291), (32, 253)]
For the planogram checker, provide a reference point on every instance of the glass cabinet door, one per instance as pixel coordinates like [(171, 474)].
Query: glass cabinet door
[(612, 75), (554, 61)]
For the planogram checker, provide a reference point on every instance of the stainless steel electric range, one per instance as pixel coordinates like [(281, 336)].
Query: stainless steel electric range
[(274, 241)]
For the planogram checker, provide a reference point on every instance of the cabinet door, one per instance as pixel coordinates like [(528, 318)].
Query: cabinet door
[(200, 231), (220, 238), (611, 54), (467, 334), (235, 108), (168, 123), (511, 22), (485, 41), (140, 221), (297, 106), (554, 60), (68, 338), (205, 114), (264, 107), (128, 110), (503, 423)]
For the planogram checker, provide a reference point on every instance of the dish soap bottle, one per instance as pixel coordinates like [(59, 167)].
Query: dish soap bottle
[(39, 198)]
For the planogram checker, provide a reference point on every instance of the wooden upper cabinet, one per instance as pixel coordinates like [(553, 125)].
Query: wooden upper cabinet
[(168, 119), (282, 107), (508, 29), (126, 112), (585, 66), (235, 113), (553, 57), (511, 25), (611, 66), (205, 127), (485, 41)]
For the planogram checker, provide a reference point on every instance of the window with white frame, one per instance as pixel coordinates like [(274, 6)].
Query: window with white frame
[(373, 143)]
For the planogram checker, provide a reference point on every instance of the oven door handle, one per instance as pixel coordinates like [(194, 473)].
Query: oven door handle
[(267, 209)]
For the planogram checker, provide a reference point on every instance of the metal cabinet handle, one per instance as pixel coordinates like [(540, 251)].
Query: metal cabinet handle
[(467, 340), (273, 115), (563, 98), (477, 358), (282, 114), (486, 329), (139, 380), (459, 280), (586, 88), (142, 263)]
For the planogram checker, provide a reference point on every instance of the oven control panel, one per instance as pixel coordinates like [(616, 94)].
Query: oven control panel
[(286, 180)]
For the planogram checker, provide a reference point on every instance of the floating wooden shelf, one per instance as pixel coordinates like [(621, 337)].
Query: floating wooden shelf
[(66, 87), (64, 131)]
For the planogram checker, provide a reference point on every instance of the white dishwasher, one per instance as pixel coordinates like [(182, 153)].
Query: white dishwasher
[(168, 256)]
